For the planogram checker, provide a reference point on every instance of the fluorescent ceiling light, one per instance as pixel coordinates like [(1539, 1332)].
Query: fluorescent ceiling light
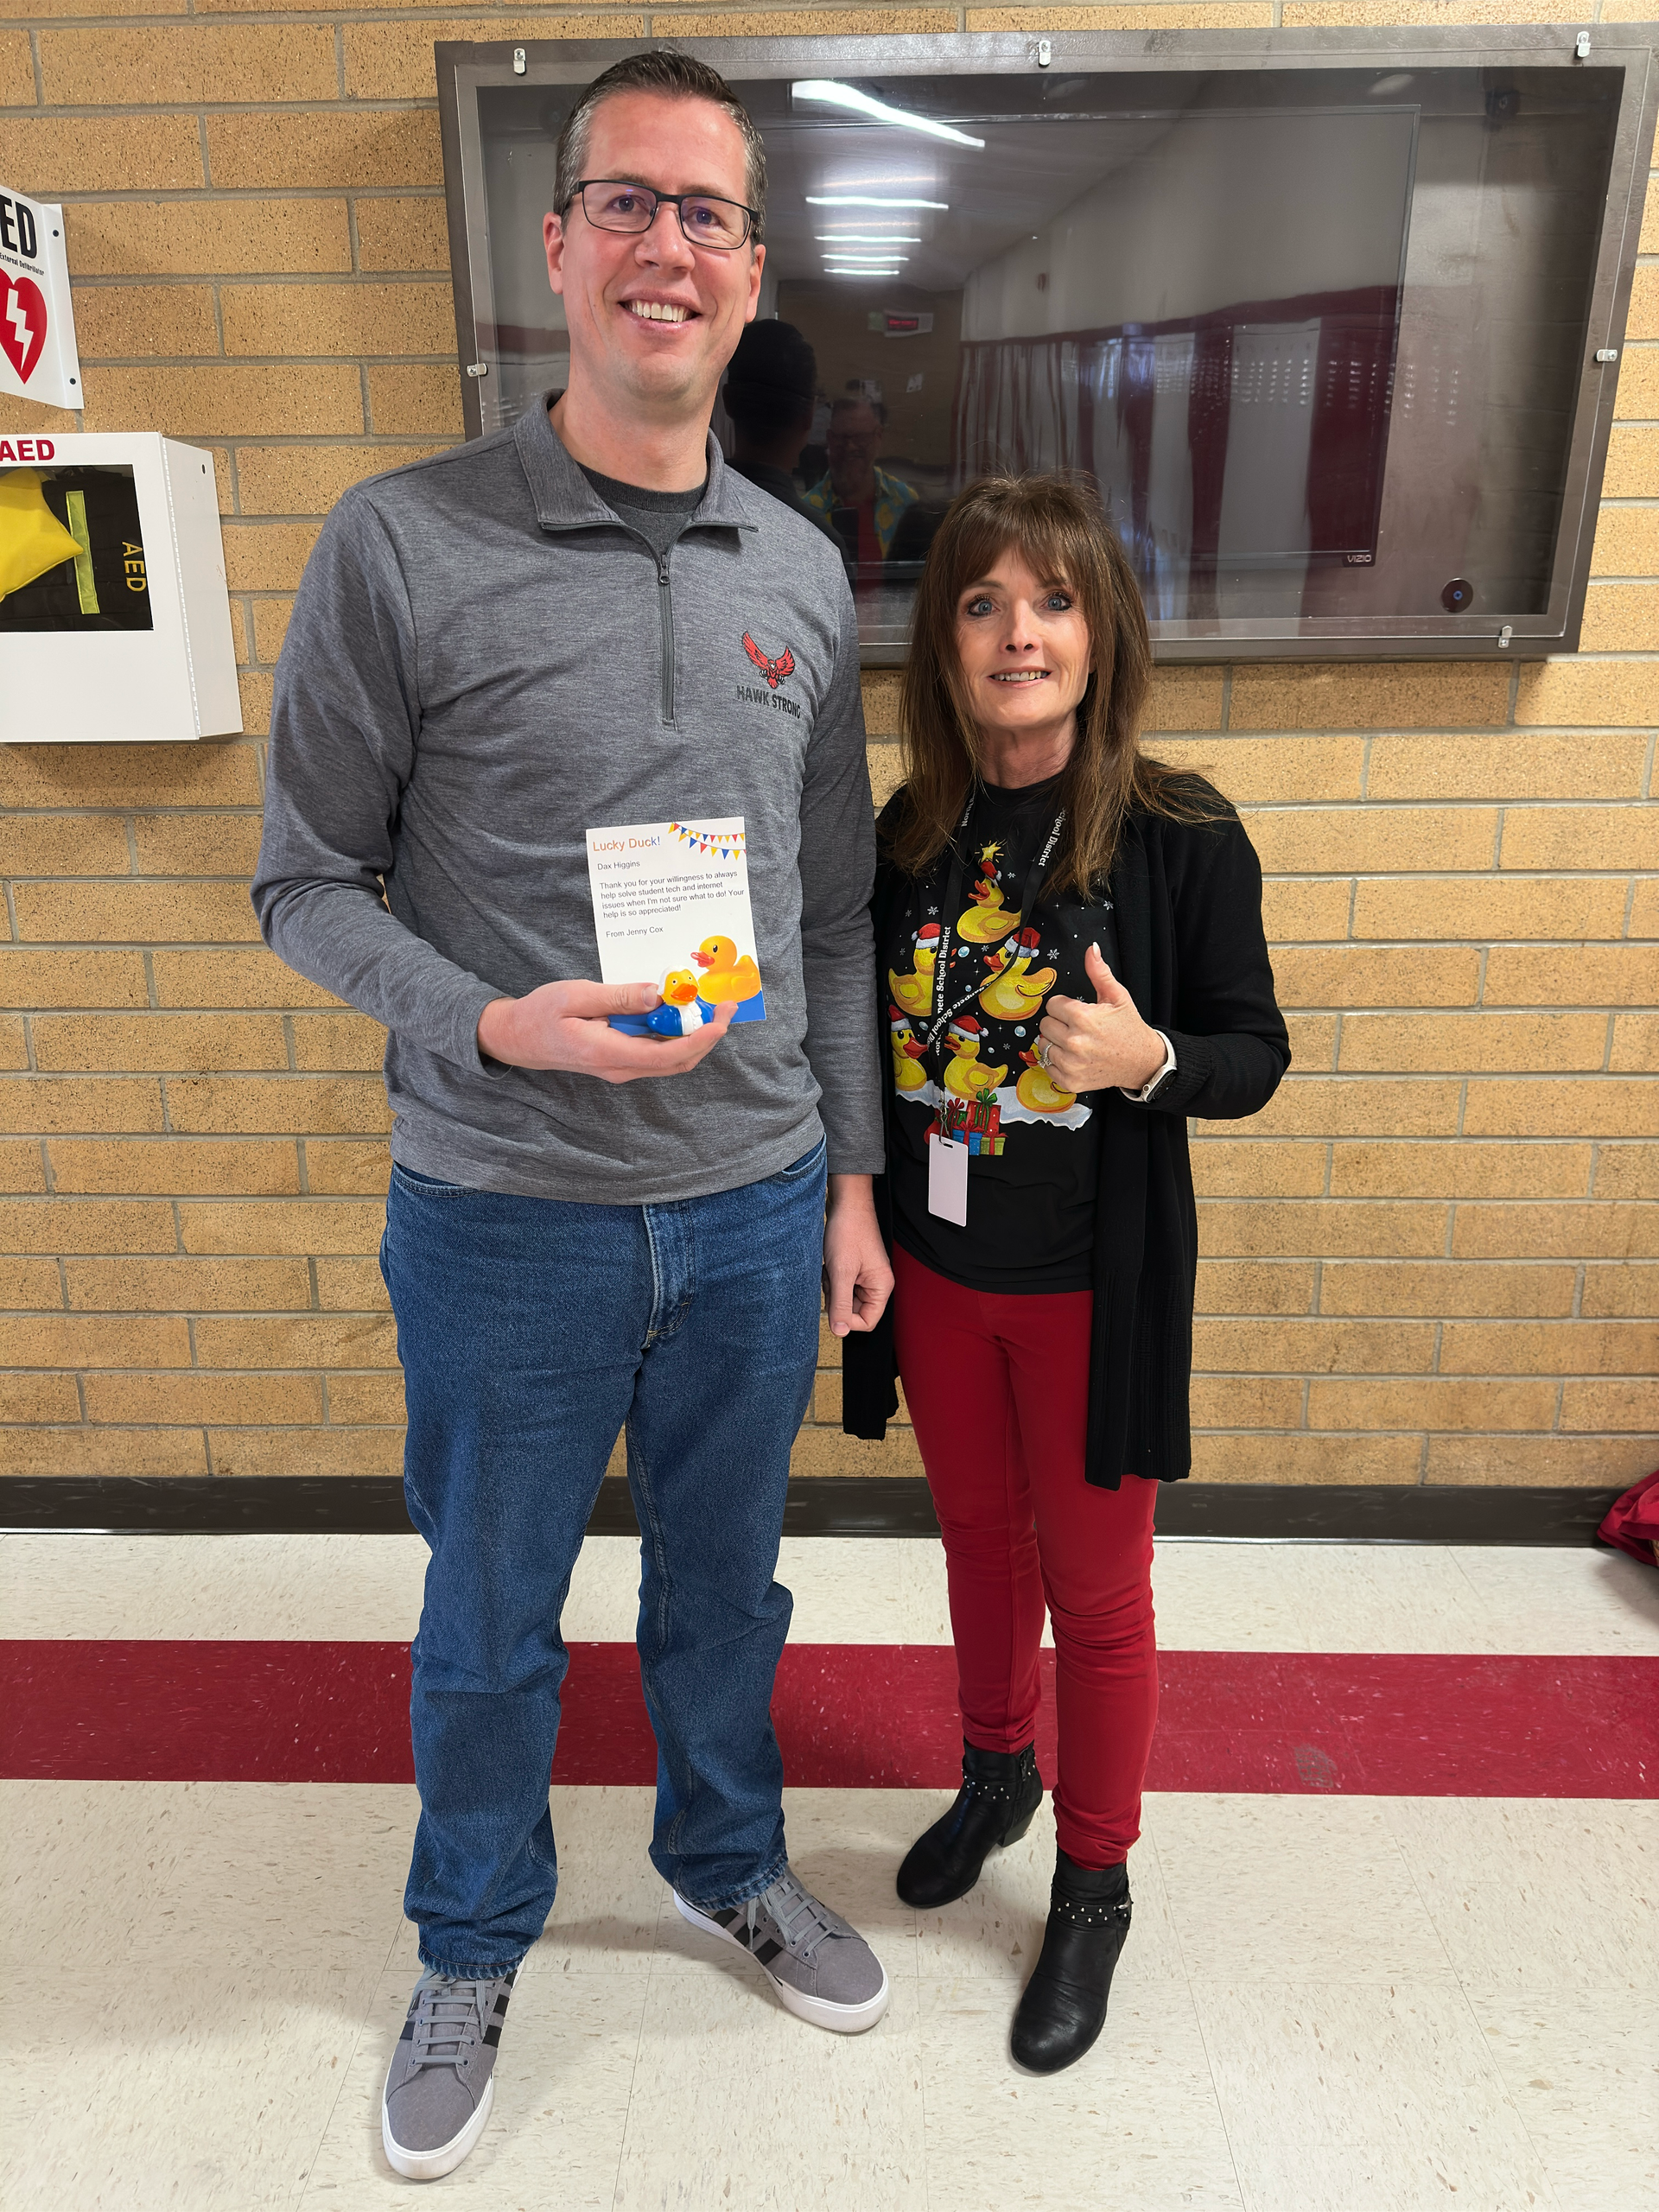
[(863, 237), (857, 199), (835, 95)]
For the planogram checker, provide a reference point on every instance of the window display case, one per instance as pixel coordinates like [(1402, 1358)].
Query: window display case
[(1329, 319)]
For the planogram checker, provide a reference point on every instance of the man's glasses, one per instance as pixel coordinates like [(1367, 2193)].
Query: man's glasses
[(611, 203)]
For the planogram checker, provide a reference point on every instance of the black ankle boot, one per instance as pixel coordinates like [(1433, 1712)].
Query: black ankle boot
[(1064, 2007), (1001, 1792)]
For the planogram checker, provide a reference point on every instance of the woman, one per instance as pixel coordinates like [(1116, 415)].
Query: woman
[(1069, 939)]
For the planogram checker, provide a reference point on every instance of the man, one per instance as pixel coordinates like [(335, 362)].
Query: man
[(864, 504), (769, 393), (491, 653)]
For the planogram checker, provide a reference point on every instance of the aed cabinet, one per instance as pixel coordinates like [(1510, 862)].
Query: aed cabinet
[(114, 627)]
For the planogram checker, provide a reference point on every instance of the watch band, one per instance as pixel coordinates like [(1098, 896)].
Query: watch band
[(1149, 1090)]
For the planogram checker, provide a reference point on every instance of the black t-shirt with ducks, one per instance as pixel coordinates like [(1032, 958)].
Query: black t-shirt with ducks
[(1032, 1179)]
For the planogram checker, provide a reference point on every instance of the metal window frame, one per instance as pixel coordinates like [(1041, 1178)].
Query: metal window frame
[(464, 67)]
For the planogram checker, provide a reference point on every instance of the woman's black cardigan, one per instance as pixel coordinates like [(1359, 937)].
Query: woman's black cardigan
[(1187, 906)]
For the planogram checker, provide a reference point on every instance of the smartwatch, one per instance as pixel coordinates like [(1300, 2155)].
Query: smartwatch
[(1148, 1091)]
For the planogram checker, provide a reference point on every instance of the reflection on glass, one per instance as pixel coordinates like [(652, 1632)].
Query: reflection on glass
[(865, 503), (1218, 360), (71, 549), (1317, 336), (838, 95)]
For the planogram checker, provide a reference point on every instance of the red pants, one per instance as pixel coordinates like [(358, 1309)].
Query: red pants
[(997, 1387)]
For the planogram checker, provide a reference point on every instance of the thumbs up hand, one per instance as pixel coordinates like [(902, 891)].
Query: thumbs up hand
[(1101, 1046)]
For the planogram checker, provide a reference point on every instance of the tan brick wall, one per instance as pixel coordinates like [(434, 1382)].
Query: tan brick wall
[(1435, 1257)]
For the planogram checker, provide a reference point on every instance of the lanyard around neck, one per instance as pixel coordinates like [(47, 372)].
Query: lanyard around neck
[(953, 890)]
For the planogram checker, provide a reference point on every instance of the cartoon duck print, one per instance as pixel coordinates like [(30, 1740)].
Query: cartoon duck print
[(914, 992), (987, 918), (908, 1073), (964, 1078), (725, 976), (1014, 995), (1038, 1093)]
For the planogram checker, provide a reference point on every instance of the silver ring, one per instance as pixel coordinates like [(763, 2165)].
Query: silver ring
[(1042, 1054)]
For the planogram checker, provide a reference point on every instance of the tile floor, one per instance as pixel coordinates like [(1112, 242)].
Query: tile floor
[(1327, 2004)]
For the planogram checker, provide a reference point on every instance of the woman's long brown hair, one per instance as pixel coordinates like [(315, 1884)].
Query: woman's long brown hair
[(1062, 534)]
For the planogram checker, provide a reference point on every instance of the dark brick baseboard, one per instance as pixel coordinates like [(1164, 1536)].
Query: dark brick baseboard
[(828, 1505)]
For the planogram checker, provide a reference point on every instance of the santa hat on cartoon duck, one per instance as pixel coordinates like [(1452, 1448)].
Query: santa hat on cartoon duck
[(965, 1034), (1021, 952)]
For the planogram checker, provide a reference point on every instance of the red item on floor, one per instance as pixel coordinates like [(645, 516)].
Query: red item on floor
[(1633, 1524)]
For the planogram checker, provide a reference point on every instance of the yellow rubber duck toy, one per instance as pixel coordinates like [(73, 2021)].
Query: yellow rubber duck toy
[(987, 918), (680, 987), (908, 1073), (915, 993), (725, 976), (1037, 1093), (964, 1078), (1014, 995)]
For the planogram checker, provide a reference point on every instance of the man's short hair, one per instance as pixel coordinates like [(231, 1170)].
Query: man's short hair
[(856, 399), (772, 378), (676, 76)]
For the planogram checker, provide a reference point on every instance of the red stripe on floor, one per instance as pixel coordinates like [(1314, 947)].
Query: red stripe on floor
[(853, 1716)]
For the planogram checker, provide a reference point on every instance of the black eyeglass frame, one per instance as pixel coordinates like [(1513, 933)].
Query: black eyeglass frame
[(660, 200)]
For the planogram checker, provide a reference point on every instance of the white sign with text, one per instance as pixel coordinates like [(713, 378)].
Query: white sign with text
[(38, 360)]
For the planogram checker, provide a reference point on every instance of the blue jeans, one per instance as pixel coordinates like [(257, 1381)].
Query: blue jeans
[(530, 1330)]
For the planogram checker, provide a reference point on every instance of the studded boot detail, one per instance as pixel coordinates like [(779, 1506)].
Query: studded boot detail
[(999, 1797), (1064, 2008)]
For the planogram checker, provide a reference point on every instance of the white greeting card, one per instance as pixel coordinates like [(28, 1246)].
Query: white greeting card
[(671, 908)]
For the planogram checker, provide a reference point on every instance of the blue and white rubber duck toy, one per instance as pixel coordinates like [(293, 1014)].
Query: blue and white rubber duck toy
[(679, 1015)]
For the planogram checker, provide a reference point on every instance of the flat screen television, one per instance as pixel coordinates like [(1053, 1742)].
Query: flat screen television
[(1330, 320)]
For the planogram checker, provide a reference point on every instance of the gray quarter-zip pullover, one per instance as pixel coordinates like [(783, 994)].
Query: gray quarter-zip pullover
[(484, 662)]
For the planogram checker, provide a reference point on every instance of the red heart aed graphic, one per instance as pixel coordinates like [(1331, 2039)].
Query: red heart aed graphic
[(23, 322)]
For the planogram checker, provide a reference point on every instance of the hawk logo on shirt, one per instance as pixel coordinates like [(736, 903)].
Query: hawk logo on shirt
[(773, 671)]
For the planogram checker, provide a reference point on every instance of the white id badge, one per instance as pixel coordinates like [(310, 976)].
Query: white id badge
[(947, 1179)]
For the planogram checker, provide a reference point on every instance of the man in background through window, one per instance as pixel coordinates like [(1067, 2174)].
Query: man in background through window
[(769, 393), (863, 502)]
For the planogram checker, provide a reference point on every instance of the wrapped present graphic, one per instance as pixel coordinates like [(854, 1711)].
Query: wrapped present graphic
[(977, 1122)]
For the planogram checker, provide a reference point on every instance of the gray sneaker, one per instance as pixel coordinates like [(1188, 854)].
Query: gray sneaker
[(441, 2081), (821, 1968)]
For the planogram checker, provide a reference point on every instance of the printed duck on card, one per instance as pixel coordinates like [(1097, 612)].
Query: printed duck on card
[(671, 908)]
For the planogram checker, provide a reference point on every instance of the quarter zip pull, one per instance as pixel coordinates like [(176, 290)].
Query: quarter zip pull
[(664, 603), (665, 606)]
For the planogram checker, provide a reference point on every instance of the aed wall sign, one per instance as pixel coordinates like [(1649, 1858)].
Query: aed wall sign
[(38, 359)]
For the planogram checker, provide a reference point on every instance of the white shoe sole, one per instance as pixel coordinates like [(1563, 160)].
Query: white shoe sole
[(840, 2019)]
